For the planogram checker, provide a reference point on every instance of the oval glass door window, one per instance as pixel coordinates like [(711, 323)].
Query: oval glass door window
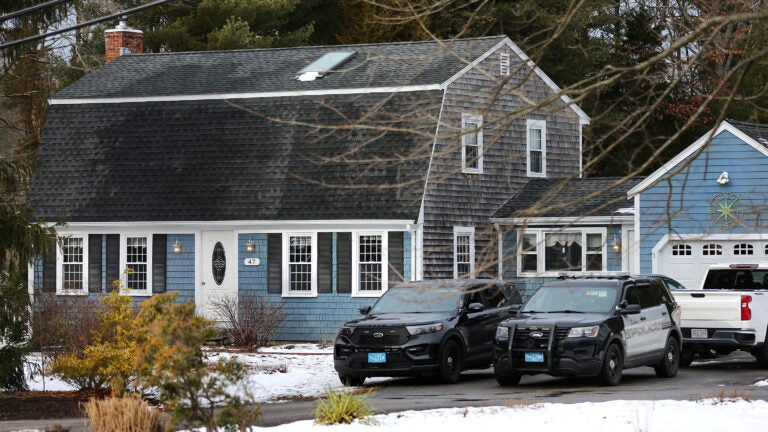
[(218, 263)]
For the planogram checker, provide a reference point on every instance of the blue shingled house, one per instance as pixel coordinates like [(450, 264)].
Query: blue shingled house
[(705, 206), (315, 177)]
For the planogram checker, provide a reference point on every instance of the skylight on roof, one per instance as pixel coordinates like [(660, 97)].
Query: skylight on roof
[(327, 62)]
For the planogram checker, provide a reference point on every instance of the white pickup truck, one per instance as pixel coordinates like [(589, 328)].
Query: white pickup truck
[(729, 312)]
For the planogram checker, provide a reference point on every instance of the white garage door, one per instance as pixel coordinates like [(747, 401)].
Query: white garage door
[(687, 261)]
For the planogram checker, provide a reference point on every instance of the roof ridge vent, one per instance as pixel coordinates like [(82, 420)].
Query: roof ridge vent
[(326, 63)]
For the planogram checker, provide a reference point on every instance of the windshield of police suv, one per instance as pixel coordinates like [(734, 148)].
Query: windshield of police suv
[(418, 299), (584, 299)]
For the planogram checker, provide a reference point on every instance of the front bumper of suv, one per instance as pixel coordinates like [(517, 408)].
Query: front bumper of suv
[(414, 356), (548, 351)]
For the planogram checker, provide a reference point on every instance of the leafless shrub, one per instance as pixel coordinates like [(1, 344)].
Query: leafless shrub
[(250, 321), (63, 323)]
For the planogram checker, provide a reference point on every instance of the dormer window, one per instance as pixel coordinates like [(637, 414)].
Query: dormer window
[(320, 67)]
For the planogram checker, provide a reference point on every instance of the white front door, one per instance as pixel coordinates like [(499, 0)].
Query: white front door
[(219, 267)]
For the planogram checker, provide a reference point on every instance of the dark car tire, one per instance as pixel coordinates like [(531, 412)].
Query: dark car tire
[(613, 363), (762, 355), (351, 381), (450, 363), (670, 362), (507, 380), (686, 357)]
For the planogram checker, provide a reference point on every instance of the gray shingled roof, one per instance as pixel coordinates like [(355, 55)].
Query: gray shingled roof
[(272, 70), (758, 132), (206, 160), (571, 197)]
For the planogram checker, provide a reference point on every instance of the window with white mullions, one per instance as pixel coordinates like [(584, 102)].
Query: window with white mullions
[(300, 263), (472, 143), (712, 249), (537, 148), (73, 262), (529, 254), (370, 263), (137, 259), (463, 252), (549, 252)]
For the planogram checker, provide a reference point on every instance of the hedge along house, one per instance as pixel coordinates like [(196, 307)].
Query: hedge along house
[(707, 205), (313, 177), (562, 226)]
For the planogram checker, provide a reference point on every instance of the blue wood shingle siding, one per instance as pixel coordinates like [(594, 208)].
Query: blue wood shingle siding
[(680, 203), (306, 319)]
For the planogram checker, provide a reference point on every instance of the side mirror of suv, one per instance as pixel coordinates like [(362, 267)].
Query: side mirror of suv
[(475, 307), (631, 309), (364, 310)]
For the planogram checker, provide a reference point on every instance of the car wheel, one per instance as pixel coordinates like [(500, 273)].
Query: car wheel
[(613, 363), (762, 355), (351, 381), (686, 357), (450, 363), (507, 380), (670, 362)]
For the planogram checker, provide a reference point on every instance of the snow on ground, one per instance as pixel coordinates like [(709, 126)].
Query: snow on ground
[(306, 370)]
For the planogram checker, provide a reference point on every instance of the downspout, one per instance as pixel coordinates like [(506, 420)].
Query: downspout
[(499, 251)]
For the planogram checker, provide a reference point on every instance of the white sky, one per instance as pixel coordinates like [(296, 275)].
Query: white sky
[(307, 370)]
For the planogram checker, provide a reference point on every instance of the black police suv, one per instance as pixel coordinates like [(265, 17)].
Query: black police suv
[(591, 326), (438, 327)]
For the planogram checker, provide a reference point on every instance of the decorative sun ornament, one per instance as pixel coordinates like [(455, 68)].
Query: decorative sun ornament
[(726, 210)]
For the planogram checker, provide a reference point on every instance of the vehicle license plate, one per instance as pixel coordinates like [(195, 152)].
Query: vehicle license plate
[(534, 357), (699, 333), (377, 357)]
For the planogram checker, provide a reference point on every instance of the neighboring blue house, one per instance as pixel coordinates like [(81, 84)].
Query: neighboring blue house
[(570, 226), (707, 205), (314, 177)]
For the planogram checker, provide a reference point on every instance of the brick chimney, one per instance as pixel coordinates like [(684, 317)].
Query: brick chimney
[(122, 40)]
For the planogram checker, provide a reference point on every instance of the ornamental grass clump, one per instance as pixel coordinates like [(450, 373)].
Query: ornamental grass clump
[(343, 406), (123, 414)]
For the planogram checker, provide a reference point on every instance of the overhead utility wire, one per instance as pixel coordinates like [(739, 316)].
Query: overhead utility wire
[(85, 24), (30, 9)]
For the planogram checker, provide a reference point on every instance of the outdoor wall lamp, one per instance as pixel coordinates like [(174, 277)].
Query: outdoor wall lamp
[(250, 246), (616, 245), (177, 248), (723, 179)]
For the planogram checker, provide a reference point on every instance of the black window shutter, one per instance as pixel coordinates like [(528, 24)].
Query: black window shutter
[(49, 268), (344, 262), (113, 260), (94, 263), (395, 252), (159, 245), (275, 263), (324, 262)]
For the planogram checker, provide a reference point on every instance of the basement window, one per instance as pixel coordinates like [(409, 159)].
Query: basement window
[(327, 62)]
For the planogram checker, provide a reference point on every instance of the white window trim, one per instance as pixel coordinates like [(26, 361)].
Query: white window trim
[(542, 125), (356, 292), (287, 265), (124, 264), (504, 64), (478, 119), (458, 231), (541, 247), (60, 264)]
